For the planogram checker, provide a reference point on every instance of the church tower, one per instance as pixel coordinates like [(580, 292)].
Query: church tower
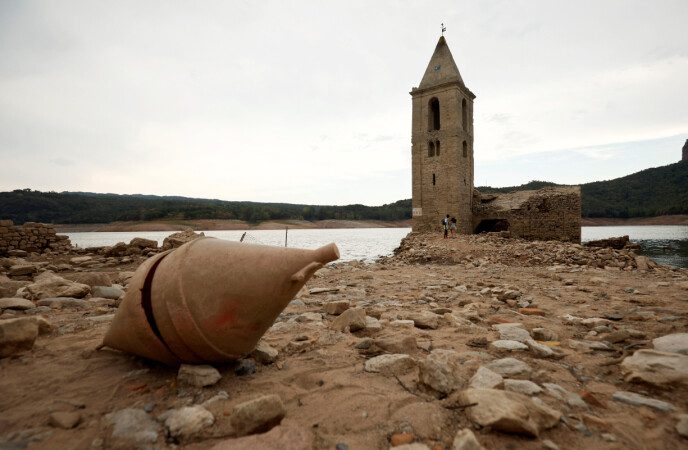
[(442, 145)]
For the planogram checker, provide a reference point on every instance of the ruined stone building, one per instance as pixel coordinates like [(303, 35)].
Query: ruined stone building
[(442, 168), (685, 151)]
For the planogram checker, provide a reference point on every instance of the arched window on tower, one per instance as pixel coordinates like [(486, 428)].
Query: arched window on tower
[(464, 115), (434, 114), (437, 148), (465, 149), (431, 149)]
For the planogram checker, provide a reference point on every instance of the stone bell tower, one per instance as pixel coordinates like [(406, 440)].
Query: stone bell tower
[(442, 145)]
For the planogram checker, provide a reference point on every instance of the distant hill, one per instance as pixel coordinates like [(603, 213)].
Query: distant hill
[(651, 192)]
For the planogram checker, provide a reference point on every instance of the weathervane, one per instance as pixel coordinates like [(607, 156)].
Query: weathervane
[(443, 29)]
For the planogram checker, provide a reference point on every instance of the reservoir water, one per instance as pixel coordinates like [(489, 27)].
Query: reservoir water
[(666, 244)]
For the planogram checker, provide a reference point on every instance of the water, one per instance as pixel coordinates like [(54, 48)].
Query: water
[(666, 244)]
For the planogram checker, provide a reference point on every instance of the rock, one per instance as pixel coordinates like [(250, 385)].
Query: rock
[(187, 421), (63, 302), (22, 270), (17, 335), (406, 344), (509, 346), (398, 439), (309, 317), (264, 353), (353, 319), (398, 364), (538, 349), (485, 378), (245, 366), (402, 324), (373, 325), (643, 263), (322, 290), (414, 446), (199, 376), (525, 387), (506, 411), (513, 333), (49, 285), (180, 238), (440, 371), (133, 425), (465, 440), (64, 419), (80, 259), (90, 278), (337, 307), (143, 243), (10, 288), (638, 400), (16, 303), (258, 415), (543, 334), (532, 312), (424, 320), (549, 445), (282, 437), (672, 343), (682, 425), (44, 325), (572, 399), (658, 368), (111, 292), (509, 367)]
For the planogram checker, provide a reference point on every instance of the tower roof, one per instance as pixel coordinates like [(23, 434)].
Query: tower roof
[(441, 68)]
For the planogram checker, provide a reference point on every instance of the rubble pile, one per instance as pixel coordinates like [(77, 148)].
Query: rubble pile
[(30, 237)]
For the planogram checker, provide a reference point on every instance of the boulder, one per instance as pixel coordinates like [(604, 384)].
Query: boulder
[(353, 319), (672, 343), (282, 437), (48, 285), (506, 411), (180, 238), (133, 426), (441, 371), (143, 243), (17, 335), (187, 421), (198, 376), (16, 303), (258, 415), (657, 368), (398, 364), (22, 270)]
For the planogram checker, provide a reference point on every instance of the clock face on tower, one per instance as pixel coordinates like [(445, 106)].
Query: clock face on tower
[(437, 67)]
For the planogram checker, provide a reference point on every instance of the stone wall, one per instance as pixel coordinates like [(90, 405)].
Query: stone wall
[(30, 237), (544, 214)]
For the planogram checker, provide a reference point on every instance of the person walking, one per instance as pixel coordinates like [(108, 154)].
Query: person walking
[(452, 226), (445, 225)]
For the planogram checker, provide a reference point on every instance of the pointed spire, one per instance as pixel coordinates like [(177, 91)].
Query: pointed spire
[(442, 68)]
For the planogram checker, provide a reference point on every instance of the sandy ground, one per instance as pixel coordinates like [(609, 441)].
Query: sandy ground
[(319, 371)]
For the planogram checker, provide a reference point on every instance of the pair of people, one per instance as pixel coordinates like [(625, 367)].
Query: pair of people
[(449, 225)]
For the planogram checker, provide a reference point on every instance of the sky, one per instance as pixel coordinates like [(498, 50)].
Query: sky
[(308, 102)]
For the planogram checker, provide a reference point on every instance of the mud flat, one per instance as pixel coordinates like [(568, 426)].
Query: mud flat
[(509, 343)]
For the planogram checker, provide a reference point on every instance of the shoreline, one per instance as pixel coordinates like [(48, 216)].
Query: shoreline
[(211, 224)]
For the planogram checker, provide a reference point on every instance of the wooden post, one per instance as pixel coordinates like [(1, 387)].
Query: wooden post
[(286, 234)]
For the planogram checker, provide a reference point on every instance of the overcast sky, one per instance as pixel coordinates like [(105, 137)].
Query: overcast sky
[(307, 101)]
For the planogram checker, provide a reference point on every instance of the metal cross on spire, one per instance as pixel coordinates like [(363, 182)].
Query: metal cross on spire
[(443, 29)]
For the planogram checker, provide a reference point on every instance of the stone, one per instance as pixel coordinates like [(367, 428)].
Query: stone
[(402, 324), (143, 243), (198, 376), (406, 344), (513, 334), (178, 239), (549, 445), (396, 365), (414, 446), (322, 290), (337, 307), (63, 302), (682, 425), (282, 437), (64, 419), (44, 325), (49, 285), (90, 278), (17, 335), (509, 346), (16, 303), (111, 292), (466, 440), (80, 259), (539, 349), (21, 270), (506, 411), (309, 317), (509, 367), (672, 343), (571, 398), (373, 325), (264, 353), (525, 387), (398, 439), (485, 378), (639, 400), (257, 415), (353, 319), (658, 368), (424, 320), (531, 312), (133, 425), (543, 334), (187, 421), (245, 366), (440, 371)]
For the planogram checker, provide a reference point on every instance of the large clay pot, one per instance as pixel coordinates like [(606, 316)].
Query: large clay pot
[(210, 300)]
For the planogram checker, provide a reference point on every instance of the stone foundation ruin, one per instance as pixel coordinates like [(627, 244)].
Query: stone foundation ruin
[(30, 237)]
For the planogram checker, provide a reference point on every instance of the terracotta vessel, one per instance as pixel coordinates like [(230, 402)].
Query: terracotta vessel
[(209, 300)]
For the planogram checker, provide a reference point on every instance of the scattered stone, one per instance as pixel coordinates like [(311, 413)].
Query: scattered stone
[(64, 419), (589, 398), (672, 343), (246, 366), (353, 319), (398, 439), (617, 336), (440, 371), (513, 333), (21, 270), (198, 376), (63, 302), (16, 303), (549, 445), (543, 334), (509, 367), (49, 285), (17, 335), (485, 378), (682, 425), (111, 292), (258, 415), (414, 446), (425, 320), (658, 368), (282, 437), (178, 239), (309, 317), (571, 398), (402, 324), (465, 440), (80, 259), (92, 279), (187, 421), (509, 346), (398, 364), (264, 353), (539, 349), (532, 312), (525, 387), (322, 290), (507, 411), (133, 425), (337, 307), (639, 400)]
